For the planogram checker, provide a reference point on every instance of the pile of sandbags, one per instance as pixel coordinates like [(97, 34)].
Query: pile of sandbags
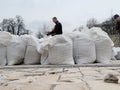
[(84, 47), (31, 55), (16, 50), (56, 50)]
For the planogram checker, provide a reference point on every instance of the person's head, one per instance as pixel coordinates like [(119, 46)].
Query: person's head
[(54, 19), (115, 17)]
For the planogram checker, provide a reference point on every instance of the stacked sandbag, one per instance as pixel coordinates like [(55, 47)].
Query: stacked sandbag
[(116, 52), (113, 56), (4, 40), (96, 33), (103, 50), (118, 56), (31, 56), (103, 44), (56, 50), (16, 50), (3, 52), (83, 48)]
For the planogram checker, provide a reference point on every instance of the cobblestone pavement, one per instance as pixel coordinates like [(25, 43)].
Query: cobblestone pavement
[(77, 78)]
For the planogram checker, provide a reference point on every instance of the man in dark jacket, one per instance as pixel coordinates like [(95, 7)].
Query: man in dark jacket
[(117, 20), (57, 29)]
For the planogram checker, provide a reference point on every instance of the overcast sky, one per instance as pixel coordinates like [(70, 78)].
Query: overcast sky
[(72, 13)]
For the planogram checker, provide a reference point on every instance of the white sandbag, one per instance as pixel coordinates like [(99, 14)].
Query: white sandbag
[(116, 51), (56, 51), (3, 53), (103, 44), (118, 56), (113, 55), (16, 50), (42, 43), (103, 50), (32, 56), (96, 33), (5, 38), (84, 49), (76, 34)]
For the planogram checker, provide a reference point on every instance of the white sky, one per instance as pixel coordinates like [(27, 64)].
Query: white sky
[(72, 13)]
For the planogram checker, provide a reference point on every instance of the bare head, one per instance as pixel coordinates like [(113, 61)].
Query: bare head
[(116, 17), (54, 19)]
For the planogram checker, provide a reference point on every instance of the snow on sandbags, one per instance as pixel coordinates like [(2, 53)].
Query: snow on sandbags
[(16, 50), (5, 38), (83, 48), (56, 50), (103, 44), (31, 56)]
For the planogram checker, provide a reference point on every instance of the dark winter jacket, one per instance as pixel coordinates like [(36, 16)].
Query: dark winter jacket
[(118, 27), (57, 29)]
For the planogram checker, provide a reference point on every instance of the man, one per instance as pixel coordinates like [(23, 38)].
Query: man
[(57, 29), (117, 20)]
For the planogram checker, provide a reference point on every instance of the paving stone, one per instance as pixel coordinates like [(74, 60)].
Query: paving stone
[(71, 87), (26, 87), (51, 79), (73, 78), (71, 70), (109, 72), (7, 88), (100, 85), (90, 73)]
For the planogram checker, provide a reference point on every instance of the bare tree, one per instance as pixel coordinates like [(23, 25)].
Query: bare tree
[(108, 26), (5, 25), (20, 25), (91, 22), (14, 26)]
